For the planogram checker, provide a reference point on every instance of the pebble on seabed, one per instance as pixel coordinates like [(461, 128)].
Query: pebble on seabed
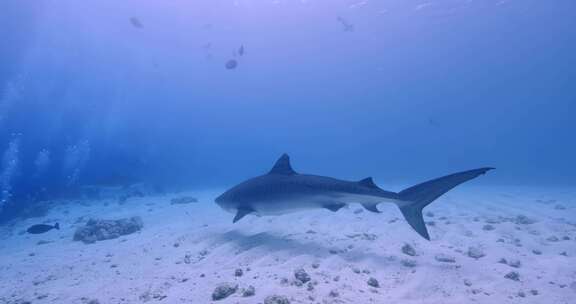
[(444, 258), (513, 275), (238, 272), (301, 275), (373, 282), (274, 299), (408, 250), (475, 252), (250, 291), (223, 291)]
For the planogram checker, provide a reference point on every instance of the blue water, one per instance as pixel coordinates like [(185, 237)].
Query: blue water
[(416, 90)]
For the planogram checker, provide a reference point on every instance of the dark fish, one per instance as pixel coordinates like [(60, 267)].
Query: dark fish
[(433, 122), (241, 51), (136, 23), (347, 26), (231, 64), (42, 228)]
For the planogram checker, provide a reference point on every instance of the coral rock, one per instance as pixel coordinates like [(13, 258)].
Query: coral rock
[(99, 230)]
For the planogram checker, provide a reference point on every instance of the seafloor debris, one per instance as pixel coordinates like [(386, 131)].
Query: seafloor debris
[(487, 227), (130, 193), (183, 200), (444, 258), (513, 275), (373, 282), (249, 292), (99, 230), (274, 299), (301, 275), (523, 220), (476, 252), (363, 236), (409, 263), (511, 263), (408, 250), (223, 291)]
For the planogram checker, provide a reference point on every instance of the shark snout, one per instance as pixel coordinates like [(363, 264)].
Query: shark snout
[(224, 203), (219, 200)]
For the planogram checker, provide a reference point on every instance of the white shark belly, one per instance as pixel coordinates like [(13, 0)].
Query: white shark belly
[(284, 206)]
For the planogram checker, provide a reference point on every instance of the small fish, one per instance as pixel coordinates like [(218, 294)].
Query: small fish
[(433, 122), (42, 228), (347, 26), (241, 51), (231, 64), (136, 23)]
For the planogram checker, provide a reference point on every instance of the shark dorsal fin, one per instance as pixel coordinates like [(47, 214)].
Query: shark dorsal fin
[(368, 182), (283, 166)]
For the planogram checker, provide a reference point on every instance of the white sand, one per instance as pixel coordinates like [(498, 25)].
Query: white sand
[(150, 266)]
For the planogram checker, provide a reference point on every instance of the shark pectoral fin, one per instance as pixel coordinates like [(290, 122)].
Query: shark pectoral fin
[(334, 206), (242, 212), (371, 207)]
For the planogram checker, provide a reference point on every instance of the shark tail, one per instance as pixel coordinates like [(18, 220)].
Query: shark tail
[(415, 198)]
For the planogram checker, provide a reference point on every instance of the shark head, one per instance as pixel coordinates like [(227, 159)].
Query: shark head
[(227, 202)]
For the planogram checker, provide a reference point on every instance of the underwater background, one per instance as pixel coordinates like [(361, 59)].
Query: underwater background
[(197, 95)]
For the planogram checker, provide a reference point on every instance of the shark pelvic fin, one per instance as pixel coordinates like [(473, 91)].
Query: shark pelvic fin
[(371, 207), (242, 212), (368, 182), (334, 206), (283, 166)]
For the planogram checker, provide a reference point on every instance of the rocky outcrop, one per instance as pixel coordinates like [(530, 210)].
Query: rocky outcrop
[(99, 230), (183, 200), (223, 291)]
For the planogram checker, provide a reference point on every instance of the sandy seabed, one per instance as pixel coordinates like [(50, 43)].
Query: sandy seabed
[(489, 245)]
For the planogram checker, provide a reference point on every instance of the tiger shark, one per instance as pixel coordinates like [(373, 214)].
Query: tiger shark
[(282, 191)]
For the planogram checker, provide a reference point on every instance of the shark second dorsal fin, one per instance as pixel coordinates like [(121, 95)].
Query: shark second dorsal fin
[(283, 166), (368, 182)]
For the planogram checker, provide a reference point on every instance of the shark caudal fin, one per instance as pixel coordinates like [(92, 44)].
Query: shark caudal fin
[(415, 198)]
